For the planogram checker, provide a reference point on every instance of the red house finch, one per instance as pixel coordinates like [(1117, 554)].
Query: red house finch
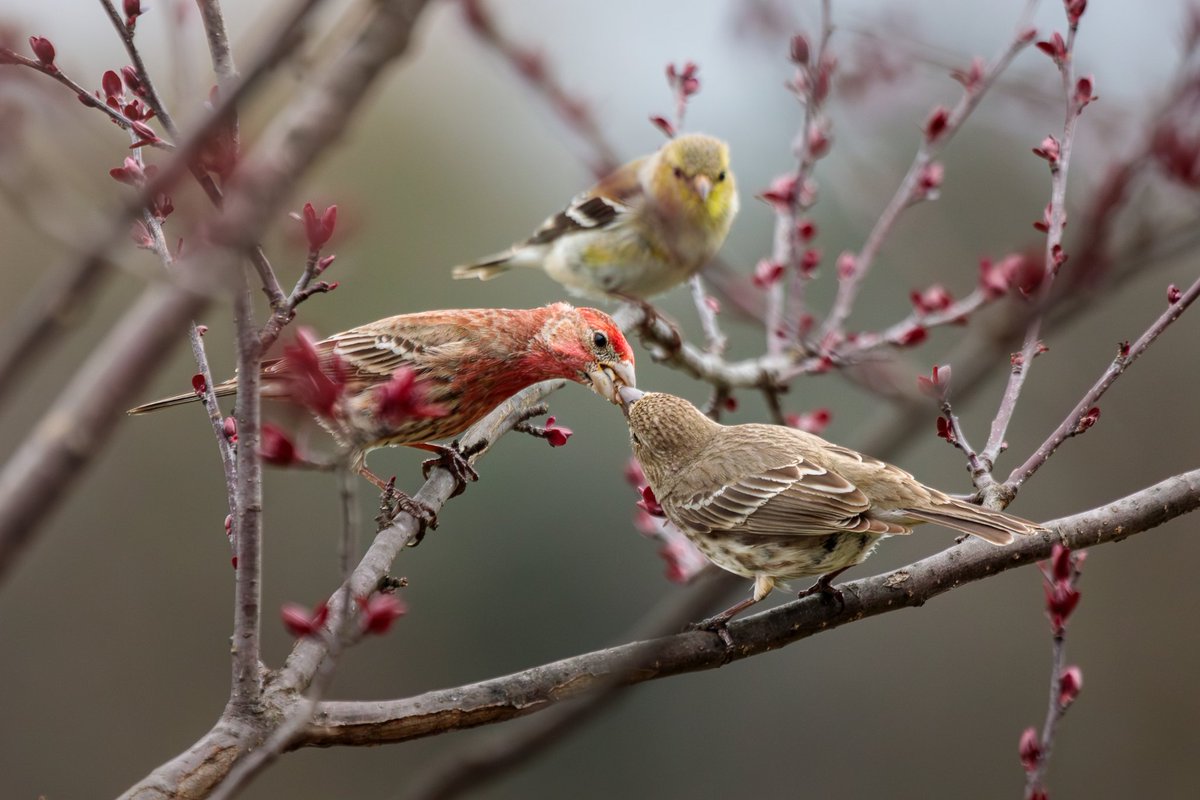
[(411, 379), (645, 228), (769, 502)]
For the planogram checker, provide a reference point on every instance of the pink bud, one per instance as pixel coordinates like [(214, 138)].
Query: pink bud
[(913, 336), (649, 503), (935, 298), (930, 179), (275, 447), (1084, 92), (1088, 420), (847, 264), (201, 329), (972, 76), (799, 50), (806, 230), (664, 125), (199, 385), (1069, 684), (229, 428), (945, 430), (1049, 150), (1075, 9), (782, 193), (936, 383), (712, 304), (319, 230), (300, 622), (1173, 294), (1055, 47), (813, 421), (818, 141), (767, 273), (634, 475), (111, 83), (557, 435), (1030, 749), (43, 49), (936, 125), (133, 10), (809, 261), (380, 611), (1060, 563)]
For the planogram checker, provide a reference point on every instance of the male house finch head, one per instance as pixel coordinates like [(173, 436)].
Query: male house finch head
[(647, 227), (770, 502), (415, 378)]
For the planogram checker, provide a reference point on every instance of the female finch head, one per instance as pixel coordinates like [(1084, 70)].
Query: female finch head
[(666, 431), (693, 172)]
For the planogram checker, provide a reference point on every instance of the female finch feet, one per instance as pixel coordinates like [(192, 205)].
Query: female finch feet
[(393, 502), (453, 459)]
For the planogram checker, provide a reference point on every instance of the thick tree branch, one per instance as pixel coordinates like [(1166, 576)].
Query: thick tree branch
[(533, 690)]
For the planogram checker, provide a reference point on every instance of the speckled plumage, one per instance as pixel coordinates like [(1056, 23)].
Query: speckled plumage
[(770, 502), (468, 361), (645, 228)]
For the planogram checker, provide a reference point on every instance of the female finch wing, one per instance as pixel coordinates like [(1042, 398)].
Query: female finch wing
[(770, 494)]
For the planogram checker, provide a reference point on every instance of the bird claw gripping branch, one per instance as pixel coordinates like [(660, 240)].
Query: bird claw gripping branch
[(453, 459)]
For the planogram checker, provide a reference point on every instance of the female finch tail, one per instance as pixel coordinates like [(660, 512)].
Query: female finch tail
[(993, 526), (487, 269), (223, 390)]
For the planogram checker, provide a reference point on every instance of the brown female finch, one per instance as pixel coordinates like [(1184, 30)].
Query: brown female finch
[(769, 502), (643, 229), (411, 379)]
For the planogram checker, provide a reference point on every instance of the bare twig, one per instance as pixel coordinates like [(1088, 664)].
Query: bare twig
[(1056, 218), (1126, 355), (910, 189)]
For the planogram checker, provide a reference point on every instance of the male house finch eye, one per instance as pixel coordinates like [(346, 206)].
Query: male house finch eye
[(415, 378), (647, 227), (770, 502)]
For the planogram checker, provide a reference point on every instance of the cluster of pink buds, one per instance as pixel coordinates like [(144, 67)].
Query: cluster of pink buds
[(112, 92), (316, 382), (1061, 576)]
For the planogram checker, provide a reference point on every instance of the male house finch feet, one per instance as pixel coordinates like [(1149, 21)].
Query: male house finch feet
[(415, 378), (645, 228), (769, 502)]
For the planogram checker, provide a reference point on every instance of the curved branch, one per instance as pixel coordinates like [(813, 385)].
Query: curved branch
[(532, 690)]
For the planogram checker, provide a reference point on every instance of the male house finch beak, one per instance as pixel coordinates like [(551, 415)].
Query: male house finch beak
[(647, 227), (452, 368), (770, 502)]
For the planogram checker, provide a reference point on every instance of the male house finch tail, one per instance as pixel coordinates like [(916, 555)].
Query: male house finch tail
[(643, 229), (769, 502), (416, 378)]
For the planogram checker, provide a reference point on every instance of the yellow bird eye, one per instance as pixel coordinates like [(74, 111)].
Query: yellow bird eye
[(679, 173), (720, 176)]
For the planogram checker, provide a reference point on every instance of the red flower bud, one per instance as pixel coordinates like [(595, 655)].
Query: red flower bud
[(1088, 420), (319, 230), (767, 273), (649, 503), (813, 421), (1084, 92), (634, 475), (847, 263), (1173, 294), (133, 10), (913, 336), (43, 49), (275, 447), (302, 623), (782, 193), (380, 611), (1061, 600), (806, 230), (936, 384), (199, 385), (935, 298), (1069, 684), (930, 180), (229, 428), (1055, 47), (663, 124), (1075, 9), (971, 77), (945, 430), (111, 84), (809, 261), (1049, 150), (1030, 749), (798, 51), (935, 126), (404, 397), (556, 435)]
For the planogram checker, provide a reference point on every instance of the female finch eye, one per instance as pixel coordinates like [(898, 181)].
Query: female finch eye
[(600, 340), (678, 173), (720, 176)]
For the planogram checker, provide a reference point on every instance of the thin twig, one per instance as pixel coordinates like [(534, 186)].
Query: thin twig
[(1057, 219), (1123, 360), (910, 189)]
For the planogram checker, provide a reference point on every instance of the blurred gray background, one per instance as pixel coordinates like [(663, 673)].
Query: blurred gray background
[(115, 626)]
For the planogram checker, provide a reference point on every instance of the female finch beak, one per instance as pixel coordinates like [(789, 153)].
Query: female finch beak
[(703, 185), (608, 379)]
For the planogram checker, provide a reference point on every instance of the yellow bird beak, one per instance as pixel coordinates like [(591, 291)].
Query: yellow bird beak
[(608, 380)]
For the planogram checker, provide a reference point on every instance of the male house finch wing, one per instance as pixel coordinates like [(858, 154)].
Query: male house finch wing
[(769, 502), (643, 229), (466, 362)]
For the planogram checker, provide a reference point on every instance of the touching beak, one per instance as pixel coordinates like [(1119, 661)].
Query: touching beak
[(608, 379), (703, 185), (629, 395)]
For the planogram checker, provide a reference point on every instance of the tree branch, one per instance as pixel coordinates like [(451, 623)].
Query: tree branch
[(533, 690)]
